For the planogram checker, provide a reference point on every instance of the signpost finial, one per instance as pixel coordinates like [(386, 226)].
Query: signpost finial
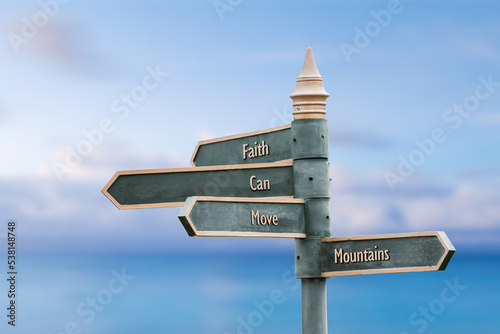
[(309, 97)]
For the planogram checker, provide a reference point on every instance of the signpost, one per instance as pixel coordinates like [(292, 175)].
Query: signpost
[(243, 217), (275, 183)]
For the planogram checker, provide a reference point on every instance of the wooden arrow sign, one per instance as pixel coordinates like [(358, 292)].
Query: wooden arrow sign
[(243, 217), (154, 188), (269, 145), (389, 253)]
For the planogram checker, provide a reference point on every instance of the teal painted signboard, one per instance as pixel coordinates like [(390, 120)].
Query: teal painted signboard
[(269, 145), (389, 253), (243, 217), (153, 188)]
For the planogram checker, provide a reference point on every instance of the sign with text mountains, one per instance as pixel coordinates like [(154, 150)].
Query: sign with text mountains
[(386, 253), (154, 188), (261, 146)]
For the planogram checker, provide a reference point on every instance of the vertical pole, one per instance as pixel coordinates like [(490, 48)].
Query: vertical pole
[(314, 316), (310, 152)]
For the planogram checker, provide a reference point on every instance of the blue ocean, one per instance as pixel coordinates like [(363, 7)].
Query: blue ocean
[(242, 293)]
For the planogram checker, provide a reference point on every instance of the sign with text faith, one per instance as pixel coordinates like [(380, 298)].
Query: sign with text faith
[(269, 145), (155, 188), (389, 253), (244, 217)]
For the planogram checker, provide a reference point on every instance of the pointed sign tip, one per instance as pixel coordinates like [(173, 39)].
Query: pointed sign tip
[(309, 97), (309, 69)]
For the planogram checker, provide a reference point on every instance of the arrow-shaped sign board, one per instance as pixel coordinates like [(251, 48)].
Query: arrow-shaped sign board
[(262, 146), (243, 217), (389, 253), (154, 188)]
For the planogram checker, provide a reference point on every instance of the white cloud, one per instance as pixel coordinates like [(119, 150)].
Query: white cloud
[(361, 204), (468, 207)]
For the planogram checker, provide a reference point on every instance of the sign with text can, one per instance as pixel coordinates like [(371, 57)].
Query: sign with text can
[(389, 253), (268, 145), (243, 217), (155, 188)]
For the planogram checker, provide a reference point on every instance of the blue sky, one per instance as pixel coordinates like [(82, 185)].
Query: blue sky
[(230, 72)]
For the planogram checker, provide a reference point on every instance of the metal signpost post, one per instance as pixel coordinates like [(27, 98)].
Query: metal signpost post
[(312, 183), (275, 183)]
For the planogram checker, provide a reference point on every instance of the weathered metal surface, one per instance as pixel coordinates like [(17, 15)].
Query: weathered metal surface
[(314, 316), (311, 178), (390, 253), (308, 257), (171, 187), (243, 217), (310, 139), (269, 145), (318, 217)]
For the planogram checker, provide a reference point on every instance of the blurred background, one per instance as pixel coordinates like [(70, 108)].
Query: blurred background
[(88, 88)]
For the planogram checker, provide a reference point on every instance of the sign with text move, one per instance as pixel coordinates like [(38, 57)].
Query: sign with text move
[(154, 188), (243, 217), (268, 145), (389, 253)]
